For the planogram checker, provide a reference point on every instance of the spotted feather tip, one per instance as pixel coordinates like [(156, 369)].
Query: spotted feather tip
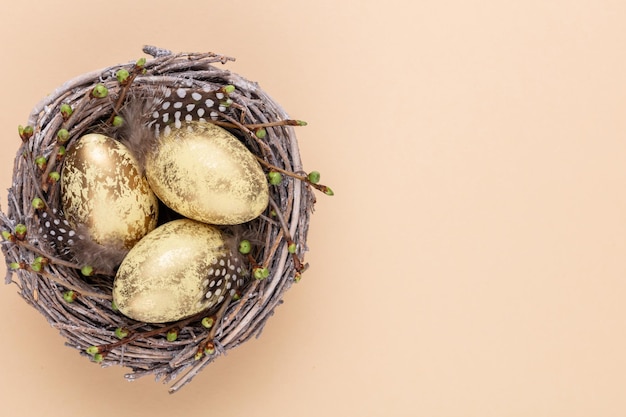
[(76, 245), (155, 115)]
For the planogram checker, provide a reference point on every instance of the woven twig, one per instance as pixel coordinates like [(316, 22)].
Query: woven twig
[(90, 320)]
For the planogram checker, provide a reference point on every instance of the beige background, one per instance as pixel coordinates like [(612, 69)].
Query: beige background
[(472, 262)]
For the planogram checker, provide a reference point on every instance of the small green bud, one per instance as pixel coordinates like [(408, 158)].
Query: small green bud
[(261, 273), (245, 247), (20, 231), (292, 247), (297, 277), (15, 265), (236, 296), (172, 335), (273, 213), (121, 332), (63, 136), (228, 88), (92, 350), (328, 191), (98, 357), (301, 123), (226, 103), (258, 273), (38, 203), (54, 176), (7, 235), (66, 111), (260, 133), (69, 296), (122, 75), (61, 152), (41, 162), (87, 270), (41, 260), (314, 177), (25, 132), (209, 349), (100, 91), (140, 62), (275, 177), (208, 322), (118, 121), (36, 266), (114, 306), (199, 354)]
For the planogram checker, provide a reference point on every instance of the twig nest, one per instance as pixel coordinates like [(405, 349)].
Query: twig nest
[(180, 300), (203, 172)]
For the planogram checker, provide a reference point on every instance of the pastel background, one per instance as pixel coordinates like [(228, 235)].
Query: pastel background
[(472, 260)]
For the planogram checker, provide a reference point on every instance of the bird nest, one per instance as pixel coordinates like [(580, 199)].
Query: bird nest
[(79, 303)]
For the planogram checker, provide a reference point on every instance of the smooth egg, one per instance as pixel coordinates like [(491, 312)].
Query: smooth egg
[(179, 269), (104, 193), (205, 173)]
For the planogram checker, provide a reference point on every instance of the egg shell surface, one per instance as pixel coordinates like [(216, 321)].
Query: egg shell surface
[(165, 277), (205, 173), (103, 190)]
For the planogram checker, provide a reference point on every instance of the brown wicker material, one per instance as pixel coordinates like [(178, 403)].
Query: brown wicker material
[(90, 320)]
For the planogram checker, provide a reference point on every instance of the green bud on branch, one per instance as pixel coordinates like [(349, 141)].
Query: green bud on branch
[(92, 350), (292, 247), (121, 332), (209, 349), (63, 136), (100, 91), (41, 162), (54, 176), (207, 322), (260, 133), (172, 335), (245, 247), (314, 177), (69, 296), (20, 231), (275, 178), (260, 273), (66, 111), (38, 203), (122, 75), (25, 132), (118, 121)]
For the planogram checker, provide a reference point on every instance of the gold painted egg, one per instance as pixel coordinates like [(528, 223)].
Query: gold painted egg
[(205, 173), (179, 269), (103, 191)]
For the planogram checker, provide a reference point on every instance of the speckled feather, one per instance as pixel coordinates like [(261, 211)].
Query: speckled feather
[(75, 243), (148, 118)]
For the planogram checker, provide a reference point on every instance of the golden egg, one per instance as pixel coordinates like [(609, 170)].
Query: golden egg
[(179, 269), (205, 173), (103, 191)]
